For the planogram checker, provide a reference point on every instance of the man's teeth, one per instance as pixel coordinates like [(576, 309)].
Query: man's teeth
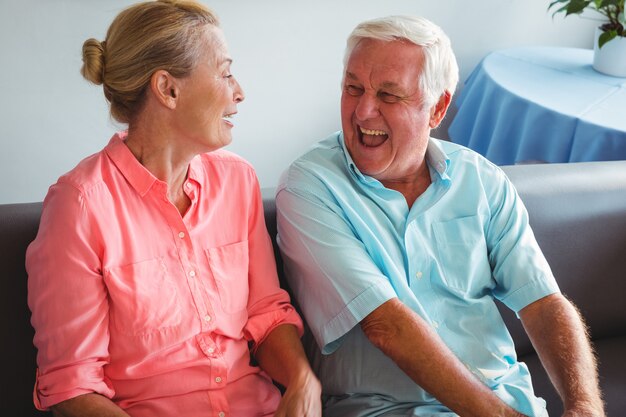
[(372, 132)]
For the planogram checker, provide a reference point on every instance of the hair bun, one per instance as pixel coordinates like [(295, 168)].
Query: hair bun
[(93, 61)]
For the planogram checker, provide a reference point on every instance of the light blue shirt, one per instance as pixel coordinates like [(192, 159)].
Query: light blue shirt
[(349, 244)]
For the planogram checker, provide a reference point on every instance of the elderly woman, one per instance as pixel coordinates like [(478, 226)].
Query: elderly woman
[(152, 279)]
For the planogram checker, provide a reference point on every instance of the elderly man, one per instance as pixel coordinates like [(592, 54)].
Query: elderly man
[(396, 245)]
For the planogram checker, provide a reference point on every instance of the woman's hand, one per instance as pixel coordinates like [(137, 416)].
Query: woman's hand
[(302, 398), (281, 355), (88, 405)]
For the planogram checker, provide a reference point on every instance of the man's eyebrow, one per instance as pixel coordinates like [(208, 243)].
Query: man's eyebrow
[(390, 85), (393, 87)]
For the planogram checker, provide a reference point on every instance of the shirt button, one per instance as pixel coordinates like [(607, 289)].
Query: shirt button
[(207, 318), (181, 235), (192, 273), (211, 350), (418, 275), (188, 184), (218, 379), (221, 414)]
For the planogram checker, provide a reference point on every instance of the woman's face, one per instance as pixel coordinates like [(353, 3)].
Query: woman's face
[(209, 97)]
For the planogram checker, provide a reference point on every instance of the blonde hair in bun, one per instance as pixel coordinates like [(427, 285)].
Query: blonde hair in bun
[(142, 39), (93, 61)]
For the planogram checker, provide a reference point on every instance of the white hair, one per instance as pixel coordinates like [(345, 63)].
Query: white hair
[(440, 73)]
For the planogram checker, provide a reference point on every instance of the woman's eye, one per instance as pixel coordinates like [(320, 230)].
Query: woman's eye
[(228, 76), (353, 90)]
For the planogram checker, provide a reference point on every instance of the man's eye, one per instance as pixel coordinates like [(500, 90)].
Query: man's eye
[(388, 97), (353, 90), (228, 76)]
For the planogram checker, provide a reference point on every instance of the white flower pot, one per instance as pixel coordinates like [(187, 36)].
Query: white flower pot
[(611, 58)]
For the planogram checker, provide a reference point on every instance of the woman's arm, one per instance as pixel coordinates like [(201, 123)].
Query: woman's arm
[(281, 355), (88, 405), (68, 300)]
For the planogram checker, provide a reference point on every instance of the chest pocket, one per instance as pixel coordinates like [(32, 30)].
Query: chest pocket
[(463, 258), (143, 297), (229, 266)]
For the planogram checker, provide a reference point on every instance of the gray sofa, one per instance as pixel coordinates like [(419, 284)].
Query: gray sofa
[(578, 212)]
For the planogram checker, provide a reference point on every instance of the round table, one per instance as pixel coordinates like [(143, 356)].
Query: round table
[(543, 104)]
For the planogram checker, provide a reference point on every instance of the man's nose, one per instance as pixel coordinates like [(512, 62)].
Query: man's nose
[(367, 107)]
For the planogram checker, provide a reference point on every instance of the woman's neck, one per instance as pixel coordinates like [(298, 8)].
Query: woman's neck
[(165, 158)]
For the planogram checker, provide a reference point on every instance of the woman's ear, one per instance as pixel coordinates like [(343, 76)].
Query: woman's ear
[(438, 111), (164, 88)]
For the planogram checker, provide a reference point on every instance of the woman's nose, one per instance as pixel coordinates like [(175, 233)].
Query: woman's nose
[(238, 94)]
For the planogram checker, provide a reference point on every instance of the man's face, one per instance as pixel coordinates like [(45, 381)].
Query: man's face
[(386, 130)]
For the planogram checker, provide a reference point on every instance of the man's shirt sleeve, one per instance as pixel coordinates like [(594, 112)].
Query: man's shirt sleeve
[(329, 270), (519, 267)]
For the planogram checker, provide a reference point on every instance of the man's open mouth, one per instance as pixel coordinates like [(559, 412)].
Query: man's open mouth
[(372, 138)]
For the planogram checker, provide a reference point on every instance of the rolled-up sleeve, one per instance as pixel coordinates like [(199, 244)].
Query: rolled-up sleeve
[(268, 305), (68, 300)]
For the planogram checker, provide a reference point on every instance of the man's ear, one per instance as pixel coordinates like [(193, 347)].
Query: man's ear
[(164, 88), (438, 111)]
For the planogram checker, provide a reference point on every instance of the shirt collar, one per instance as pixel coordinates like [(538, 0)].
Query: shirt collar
[(195, 171), (365, 179), (135, 173), (436, 158)]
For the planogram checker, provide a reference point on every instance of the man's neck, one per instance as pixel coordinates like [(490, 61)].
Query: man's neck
[(411, 188)]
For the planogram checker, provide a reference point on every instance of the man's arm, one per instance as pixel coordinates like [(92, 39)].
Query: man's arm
[(281, 355), (559, 336), (88, 405), (415, 347)]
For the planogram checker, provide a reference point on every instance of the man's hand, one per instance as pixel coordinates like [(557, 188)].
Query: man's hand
[(560, 338), (584, 413)]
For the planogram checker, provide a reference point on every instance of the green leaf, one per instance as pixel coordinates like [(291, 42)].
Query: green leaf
[(554, 3), (605, 37), (562, 9), (606, 3), (576, 6), (557, 2)]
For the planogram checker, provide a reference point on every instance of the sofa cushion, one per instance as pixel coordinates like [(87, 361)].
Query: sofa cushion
[(18, 227)]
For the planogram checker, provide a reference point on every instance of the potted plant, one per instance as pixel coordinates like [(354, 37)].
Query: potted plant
[(610, 42)]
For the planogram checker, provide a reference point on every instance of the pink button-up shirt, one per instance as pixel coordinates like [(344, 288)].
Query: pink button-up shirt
[(150, 308)]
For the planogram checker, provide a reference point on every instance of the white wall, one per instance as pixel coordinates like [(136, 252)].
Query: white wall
[(287, 53)]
